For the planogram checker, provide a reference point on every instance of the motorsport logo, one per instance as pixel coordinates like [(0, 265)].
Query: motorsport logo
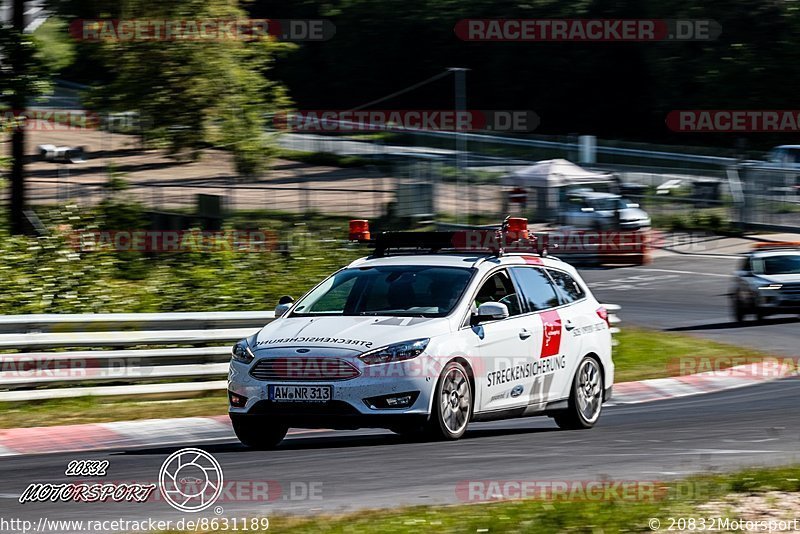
[(444, 120), (191, 480)]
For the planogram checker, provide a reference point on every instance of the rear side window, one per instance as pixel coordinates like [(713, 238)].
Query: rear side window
[(569, 289), (537, 289)]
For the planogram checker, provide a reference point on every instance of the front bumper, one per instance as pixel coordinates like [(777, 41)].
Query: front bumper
[(779, 300), (335, 414), (349, 406)]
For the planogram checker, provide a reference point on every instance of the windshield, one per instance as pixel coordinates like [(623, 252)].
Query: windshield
[(397, 290), (792, 155), (609, 204), (789, 264)]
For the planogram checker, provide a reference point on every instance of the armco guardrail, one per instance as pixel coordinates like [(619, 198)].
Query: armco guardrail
[(133, 353), (613, 318), (121, 364)]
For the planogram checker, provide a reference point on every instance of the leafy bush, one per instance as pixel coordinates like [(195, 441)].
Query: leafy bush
[(50, 274)]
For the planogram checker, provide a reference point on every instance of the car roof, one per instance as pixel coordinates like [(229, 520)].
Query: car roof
[(775, 252), (460, 260), (594, 194), (786, 146)]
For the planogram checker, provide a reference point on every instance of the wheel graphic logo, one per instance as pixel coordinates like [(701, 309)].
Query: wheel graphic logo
[(190, 480)]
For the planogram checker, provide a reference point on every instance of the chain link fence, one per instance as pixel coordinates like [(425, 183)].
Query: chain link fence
[(422, 176)]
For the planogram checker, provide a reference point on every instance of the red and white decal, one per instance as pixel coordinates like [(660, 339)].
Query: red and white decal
[(533, 260), (551, 338)]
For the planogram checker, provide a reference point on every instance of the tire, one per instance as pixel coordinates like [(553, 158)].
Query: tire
[(738, 311), (587, 393), (258, 433), (452, 404)]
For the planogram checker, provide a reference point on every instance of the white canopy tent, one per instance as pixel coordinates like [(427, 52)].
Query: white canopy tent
[(545, 180)]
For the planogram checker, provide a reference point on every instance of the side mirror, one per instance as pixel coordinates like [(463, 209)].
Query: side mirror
[(490, 311), (633, 205), (587, 210), (283, 306)]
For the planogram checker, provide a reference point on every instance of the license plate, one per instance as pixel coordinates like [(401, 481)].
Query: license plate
[(295, 393)]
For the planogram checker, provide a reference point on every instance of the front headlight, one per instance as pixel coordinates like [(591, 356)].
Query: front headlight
[(396, 352), (241, 352)]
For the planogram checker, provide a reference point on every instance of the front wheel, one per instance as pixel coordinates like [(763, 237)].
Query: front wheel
[(586, 399), (452, 403), (258, 433), (738, 310)]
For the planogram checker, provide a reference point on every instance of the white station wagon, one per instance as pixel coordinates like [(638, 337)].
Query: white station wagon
[(425, 336)]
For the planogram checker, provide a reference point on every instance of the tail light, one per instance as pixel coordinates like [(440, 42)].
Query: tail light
[(603, 314)]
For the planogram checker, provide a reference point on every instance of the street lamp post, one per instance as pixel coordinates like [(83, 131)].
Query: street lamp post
[(461, 139)]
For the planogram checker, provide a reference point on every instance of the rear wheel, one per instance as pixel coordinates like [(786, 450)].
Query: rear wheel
[(452, 403), (258, 433), (586, 399)]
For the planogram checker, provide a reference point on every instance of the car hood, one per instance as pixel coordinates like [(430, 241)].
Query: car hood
[(632, 214), (780, 278), (627, 214), (358, 334)]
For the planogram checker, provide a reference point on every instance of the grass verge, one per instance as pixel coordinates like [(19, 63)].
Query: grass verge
[(644, 353), (102, 410), (699, 497)]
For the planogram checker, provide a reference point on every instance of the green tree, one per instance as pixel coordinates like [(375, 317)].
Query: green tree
[(194, 92), (22, 76)]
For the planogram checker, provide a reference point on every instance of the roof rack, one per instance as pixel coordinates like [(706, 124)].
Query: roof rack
[(776, 245), (511, 237)]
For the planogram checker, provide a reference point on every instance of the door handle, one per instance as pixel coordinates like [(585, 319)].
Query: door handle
[(569, 326), (525, 333)]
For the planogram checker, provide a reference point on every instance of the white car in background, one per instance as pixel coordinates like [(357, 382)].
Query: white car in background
[(596, 210), (425, 339)]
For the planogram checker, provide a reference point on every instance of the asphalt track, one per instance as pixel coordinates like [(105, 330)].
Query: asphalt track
[(752, 426), (688, 294)]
